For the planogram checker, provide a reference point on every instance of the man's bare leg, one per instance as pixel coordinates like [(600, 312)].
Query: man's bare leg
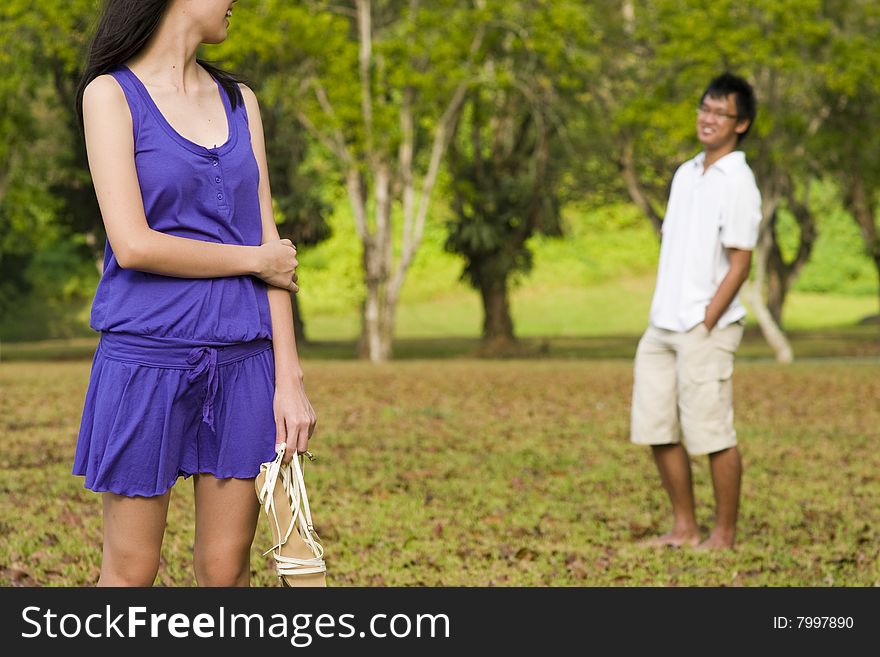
[(674, 466), (726, 467)]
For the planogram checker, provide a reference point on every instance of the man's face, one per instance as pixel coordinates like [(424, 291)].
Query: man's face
[(717, 123)]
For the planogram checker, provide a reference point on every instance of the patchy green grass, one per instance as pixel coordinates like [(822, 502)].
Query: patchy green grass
[(469, 472)]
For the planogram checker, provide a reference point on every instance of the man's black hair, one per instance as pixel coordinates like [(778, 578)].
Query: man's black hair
[(746, 106)]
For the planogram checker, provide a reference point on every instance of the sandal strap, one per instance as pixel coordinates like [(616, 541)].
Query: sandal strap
[(267, 499), (282, 572), (297, 561), (292, 566), (294, 487), (307, 529)]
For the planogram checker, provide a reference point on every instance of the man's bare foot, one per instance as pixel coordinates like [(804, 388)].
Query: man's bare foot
[(716, 542), (672, 539)]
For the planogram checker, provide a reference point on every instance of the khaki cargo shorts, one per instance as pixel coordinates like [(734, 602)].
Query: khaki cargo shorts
[(683, 388)]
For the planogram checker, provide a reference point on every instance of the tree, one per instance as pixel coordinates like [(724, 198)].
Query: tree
[(507, 160), (850, 146), (46, 202), (379, 84)]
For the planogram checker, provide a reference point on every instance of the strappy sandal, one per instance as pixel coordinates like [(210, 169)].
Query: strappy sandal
[(281, 489)]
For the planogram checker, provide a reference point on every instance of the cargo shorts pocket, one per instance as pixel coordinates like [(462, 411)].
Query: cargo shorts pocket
[(706, 393), (719, 368)]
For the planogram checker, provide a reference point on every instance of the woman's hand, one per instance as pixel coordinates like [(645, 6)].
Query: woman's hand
[(277, 264), (294, 418)]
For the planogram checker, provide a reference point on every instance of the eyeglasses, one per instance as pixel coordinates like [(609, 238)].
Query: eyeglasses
[(702, 110)]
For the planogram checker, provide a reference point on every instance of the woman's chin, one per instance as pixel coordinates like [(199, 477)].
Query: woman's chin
[(213, 39)]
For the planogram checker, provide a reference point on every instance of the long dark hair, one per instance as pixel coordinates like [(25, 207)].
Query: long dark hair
[(123, 29)]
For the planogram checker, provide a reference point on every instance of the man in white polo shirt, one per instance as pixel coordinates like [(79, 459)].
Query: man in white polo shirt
[(682, 393)]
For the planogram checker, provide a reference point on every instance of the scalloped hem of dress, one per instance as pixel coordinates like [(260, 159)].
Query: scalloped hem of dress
[(118, 488)]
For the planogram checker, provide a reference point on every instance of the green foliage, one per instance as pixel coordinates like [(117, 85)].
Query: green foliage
[(613, 242), (839, 262), (46, 202), (58, 281), (625, 81), (600, 246), (423, 51), (607, 260), (330, 276), (508, 159)]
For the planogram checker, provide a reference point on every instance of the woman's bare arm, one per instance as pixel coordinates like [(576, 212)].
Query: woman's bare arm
[(294, 416), (110, 147)]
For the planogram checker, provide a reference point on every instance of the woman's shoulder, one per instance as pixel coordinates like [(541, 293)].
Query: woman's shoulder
[(250, 98), (103, 90), (105, 103), (251, 105)]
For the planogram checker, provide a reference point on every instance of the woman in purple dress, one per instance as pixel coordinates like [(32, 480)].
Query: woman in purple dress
[(196, 373)]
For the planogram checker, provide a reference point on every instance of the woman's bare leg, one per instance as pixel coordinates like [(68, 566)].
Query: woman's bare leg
[(226, 519), (133, 531)]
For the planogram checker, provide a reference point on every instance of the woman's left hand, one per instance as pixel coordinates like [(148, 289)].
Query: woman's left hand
[(294, 418)]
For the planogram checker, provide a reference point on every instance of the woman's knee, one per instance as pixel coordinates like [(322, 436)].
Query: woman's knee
[(221, 567), (129, 568)]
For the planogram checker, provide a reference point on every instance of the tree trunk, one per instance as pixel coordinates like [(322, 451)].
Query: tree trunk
[(777, 284), (860, 206), (781, 275), (386, 327), (377, 319), (371, 332), (389, 173), (636, 193), (769, 328), (497, 322), (753, 292), (377, 331)]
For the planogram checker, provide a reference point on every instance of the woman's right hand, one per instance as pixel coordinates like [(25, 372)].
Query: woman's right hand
[(278, 264)]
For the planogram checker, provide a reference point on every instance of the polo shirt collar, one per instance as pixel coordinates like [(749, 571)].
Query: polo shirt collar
[(726, 164)]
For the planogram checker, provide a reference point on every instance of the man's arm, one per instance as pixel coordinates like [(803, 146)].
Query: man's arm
[(740, 261)]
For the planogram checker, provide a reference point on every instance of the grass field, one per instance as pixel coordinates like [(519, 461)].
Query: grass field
[(467, 473)]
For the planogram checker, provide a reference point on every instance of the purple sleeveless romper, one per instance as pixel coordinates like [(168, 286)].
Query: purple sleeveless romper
[(183, 379)]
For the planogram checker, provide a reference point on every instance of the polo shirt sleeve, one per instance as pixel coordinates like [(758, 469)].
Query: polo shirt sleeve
[(741, 215)]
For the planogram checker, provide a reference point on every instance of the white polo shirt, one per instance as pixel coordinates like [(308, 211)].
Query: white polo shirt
[(706, 214)]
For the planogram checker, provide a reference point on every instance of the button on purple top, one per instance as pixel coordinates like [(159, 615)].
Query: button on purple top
[(190, 191)]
